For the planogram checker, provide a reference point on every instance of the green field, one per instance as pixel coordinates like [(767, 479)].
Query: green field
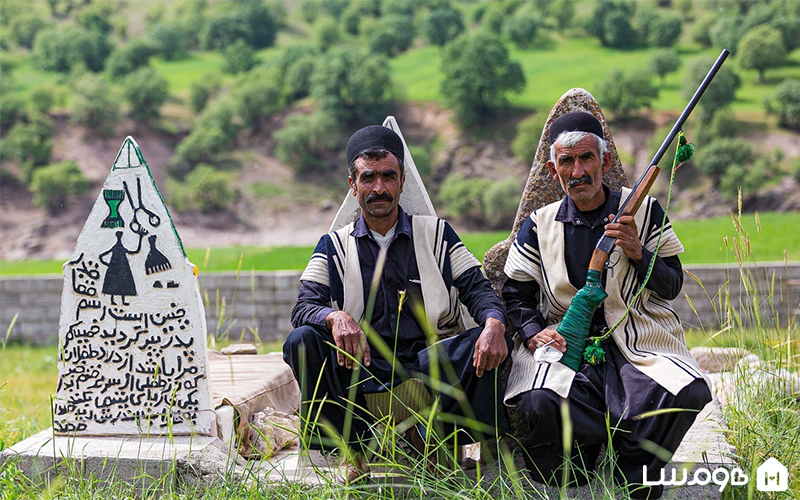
[(704, 239), (552, 70)]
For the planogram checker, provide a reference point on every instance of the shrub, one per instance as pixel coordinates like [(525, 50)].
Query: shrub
[(23, 28), (239, 57), (623, 95), (726, 31), (716, 158), (214, 129), (64, 48), (611, 23), (169, 38), (12, 110), (722, 126), (750, 178), (297, 80), (529, 131), (521, 27), (96, 17), (477, 73), (494, 17), (146, 91), (702, 27), (42, 99), (305, 140), (257, 96), (224, 29), (500, 201), (353, 87), (30, 142), (205, 189), (93, 104), (665, 30), (264, 22), (130, 57), (422, 160), (787, 99), (463, 197), (442, 24), (202, 90), (563, 12), (53, 185)]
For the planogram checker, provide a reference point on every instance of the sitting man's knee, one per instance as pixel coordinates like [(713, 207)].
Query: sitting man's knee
[(539, 408), (698, 395)]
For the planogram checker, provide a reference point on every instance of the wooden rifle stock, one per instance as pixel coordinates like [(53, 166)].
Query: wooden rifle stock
[(631, 204)]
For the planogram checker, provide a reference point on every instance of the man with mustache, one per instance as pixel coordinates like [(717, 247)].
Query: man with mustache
[(647, 365), (410, 274)]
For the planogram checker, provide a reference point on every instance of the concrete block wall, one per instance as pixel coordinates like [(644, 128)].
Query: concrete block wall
[(260, 303)]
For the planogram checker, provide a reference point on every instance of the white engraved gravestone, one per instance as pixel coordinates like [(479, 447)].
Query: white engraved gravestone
[(132, 332)]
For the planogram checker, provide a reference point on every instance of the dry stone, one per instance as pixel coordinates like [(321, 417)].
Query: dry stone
[(132, 331), (541, 189)]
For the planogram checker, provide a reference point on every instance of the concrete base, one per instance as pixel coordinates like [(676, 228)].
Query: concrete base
[(141, 462)]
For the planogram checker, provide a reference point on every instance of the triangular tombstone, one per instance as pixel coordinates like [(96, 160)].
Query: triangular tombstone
[(541, 189), (132, 331), (414, 199)]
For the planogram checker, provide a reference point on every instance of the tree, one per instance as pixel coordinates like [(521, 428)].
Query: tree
[(663, 62), (306, 140), (701, 29), (23, 28), (462, 197), (206, 189), (625, 95), (500, 202), (257, 96), (224, 29), (442, 24), (326, 33), (787, 98), (53, 185), (521, 27), (563, 11), (352, 86), (477, 74), (239, 57), (665, 30), (716, 158), (761, 48), (264, 22), (611, 23), (392, 36), (727, 31), (146, 91), (169, 38), (750, 178), (529, 131), (297, 81), (719, 94), (63, 48), (93, 104), (202, 90), (214, 130), (30, 142), (130, 57)]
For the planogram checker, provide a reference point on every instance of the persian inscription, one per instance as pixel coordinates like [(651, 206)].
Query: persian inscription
[(132, 340)]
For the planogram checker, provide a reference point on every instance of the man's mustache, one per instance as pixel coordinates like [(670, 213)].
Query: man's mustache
[(574, 181), (379, 197)]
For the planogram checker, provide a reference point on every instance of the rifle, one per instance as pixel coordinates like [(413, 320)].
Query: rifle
[(574, 327)]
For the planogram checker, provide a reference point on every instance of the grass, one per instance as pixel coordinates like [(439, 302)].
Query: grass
[(704, 240), (553, 68)]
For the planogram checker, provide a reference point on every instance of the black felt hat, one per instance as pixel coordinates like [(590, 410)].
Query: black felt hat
[(575, 121), (374, 137)]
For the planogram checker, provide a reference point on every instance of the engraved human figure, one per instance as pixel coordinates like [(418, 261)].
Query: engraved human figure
[(119, 278)]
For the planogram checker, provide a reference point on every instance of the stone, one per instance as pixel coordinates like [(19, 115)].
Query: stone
[(132, 331), (272, 431), (239, 349), (718, 359), (540, 188), (414, 198)]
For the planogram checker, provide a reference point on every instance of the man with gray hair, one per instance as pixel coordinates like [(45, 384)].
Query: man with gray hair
[(647, 365)]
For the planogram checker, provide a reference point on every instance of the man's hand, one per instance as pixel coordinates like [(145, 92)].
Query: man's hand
[(491, 348), (627, 236), (547, 337), (348, 337)]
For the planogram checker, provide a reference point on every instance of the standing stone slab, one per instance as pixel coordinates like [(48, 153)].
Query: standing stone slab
[(541, 189), (414, 198), (132, 331)]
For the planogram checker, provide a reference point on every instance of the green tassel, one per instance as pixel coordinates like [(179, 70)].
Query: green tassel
[(685, 149), (594, 353)]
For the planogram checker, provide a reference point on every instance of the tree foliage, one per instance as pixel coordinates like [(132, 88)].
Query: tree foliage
[(529, 131), (624, 95), (305, 141), (24, 27), (326, 33), (522, 26), (611, 23), (787, 102), (477, 73), (392, 36), (716, 158), (442, 24), (66, 47), (202, 90), (257, 96), (664, 62), (205, 189), (352, 86), (146, 91), (93, 103), (29, 142), (719, 94), (463, 197), (239, 57), (53, 185), (761, 48), (130, 57), (665, 30)]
